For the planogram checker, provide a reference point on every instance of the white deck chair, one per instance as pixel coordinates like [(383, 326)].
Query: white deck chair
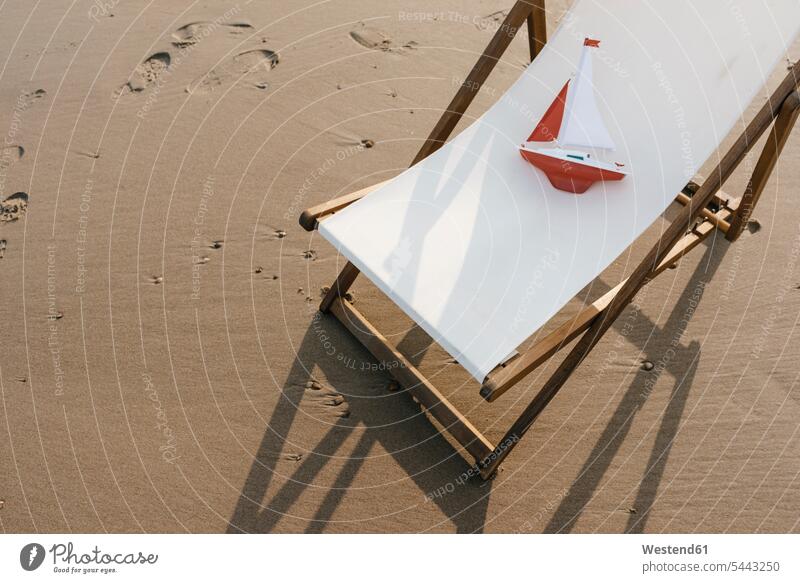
[(483, 240)]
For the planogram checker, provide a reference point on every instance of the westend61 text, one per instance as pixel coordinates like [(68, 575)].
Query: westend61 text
[(673, 550)]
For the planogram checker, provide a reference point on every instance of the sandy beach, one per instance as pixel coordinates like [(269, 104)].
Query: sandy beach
[(163, 365)]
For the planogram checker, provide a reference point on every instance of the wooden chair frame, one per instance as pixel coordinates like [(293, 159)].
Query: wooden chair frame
[(706, 208)]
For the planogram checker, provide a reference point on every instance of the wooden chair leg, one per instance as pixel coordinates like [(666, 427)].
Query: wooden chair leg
[(781, 130), (340, 286), (537, 28)]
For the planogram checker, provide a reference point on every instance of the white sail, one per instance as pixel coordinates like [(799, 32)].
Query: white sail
[(583, 126)]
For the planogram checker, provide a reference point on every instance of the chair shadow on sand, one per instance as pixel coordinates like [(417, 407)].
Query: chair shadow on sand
[(391, 420), (681, 367), (395, 422)]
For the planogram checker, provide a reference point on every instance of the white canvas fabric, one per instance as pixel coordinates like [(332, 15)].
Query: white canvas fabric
[(475, 244)]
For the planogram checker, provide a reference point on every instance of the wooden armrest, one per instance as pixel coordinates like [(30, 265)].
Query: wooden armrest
[(309, 219)]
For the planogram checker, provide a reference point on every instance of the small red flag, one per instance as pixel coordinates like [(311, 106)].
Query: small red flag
[(590, 42)]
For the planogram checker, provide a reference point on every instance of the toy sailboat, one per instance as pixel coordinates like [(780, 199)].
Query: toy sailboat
[(573, 121)]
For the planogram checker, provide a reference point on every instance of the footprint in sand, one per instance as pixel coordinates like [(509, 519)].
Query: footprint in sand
[(491, 21), (269, 232), (292, 457), (192, 33), (10, 154), (86, 154), (323, 291), (13, 207), (379, 40), (250, 67), (753, 226), (326, 400), (352, 142), (29, 98), (259, 270), (146, 74)]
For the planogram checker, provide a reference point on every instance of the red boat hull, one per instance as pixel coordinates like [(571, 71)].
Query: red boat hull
[(569, 176)]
